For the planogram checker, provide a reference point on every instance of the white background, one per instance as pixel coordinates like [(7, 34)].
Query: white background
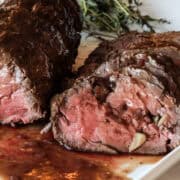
[(168, 9)]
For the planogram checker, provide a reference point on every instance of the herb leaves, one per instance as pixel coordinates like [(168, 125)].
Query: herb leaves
[(114, 16)]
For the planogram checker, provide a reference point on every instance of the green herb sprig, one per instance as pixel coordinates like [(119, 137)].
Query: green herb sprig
[(115, 16)]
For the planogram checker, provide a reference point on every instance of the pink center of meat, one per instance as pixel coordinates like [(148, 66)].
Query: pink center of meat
[(15, 105), (114, 122)]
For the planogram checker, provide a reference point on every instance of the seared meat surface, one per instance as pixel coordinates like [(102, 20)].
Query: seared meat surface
[(38, 45), (127, 98), (167, 44)]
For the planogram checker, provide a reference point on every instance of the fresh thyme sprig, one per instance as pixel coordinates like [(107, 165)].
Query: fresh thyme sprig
[(115, 16)]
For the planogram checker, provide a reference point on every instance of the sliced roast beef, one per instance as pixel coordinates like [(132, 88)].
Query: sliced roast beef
[(128, 103), (38, 45)]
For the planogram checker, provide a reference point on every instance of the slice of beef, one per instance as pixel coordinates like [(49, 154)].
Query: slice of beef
[(38, 45), (130, 103)]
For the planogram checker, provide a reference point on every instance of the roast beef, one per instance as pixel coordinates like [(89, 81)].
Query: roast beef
[(38, 45), (127, 98)]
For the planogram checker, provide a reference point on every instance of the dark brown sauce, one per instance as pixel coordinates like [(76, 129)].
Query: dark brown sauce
[(25, 154)]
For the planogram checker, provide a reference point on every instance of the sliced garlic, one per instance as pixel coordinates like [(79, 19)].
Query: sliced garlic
[(162, 120), (138, 140), (156, 119)]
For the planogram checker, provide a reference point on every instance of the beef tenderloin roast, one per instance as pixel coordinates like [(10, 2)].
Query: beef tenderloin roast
[(38, 45), (127, 98)]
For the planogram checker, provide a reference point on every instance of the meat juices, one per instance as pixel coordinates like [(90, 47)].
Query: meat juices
[(38, 45), (125, 100)]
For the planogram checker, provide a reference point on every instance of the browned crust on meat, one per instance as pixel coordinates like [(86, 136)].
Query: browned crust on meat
[(156, 43), (41, 38)]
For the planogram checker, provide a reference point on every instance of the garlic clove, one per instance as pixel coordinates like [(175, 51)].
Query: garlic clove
[(138, 140), (162, 120), (156, 119)]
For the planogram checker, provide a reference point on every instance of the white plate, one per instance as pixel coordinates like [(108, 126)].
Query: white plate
[(166, 168)]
